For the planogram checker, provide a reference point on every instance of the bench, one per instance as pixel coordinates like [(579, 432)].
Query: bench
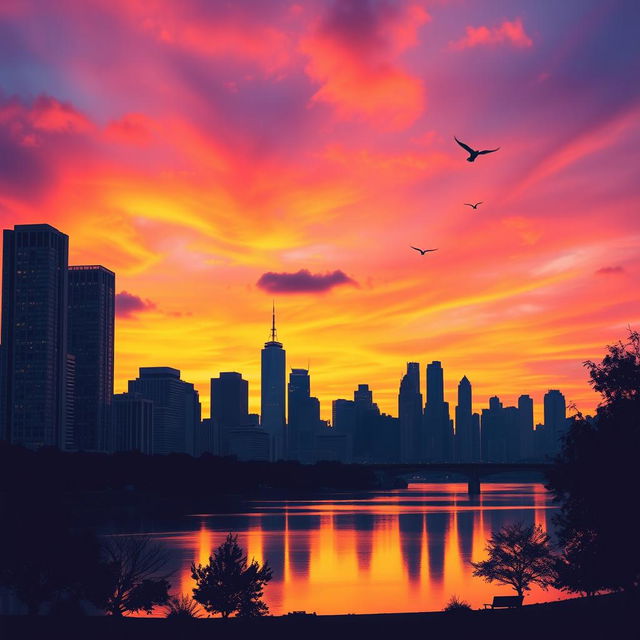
[(505, 602)]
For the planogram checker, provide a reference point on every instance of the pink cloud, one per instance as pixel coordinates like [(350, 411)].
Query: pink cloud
[(353, 55), (303, 281), (610, 271), (128, 304), (512, 33)]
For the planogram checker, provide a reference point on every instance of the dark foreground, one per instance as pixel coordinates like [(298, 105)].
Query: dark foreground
[(604, 617)]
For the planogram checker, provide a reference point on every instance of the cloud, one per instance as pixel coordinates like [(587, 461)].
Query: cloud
[(353, 55), (128, 304), (303, 281), (610, 271), (512, 33)]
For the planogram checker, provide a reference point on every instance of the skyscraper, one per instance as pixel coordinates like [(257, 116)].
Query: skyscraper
[(494, 446), (525, 426), (176, 408), (91, 331), (437, 425), (464, 422), (229, 405), (410, 414), (555, 420), (34, 336), (273, 391), (304, 417)]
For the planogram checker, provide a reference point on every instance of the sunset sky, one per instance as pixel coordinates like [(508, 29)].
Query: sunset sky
[(220, 155)]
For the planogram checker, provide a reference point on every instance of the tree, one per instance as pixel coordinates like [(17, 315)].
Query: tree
[(519, 556), (133, 578), (228, 584), (594, 479)]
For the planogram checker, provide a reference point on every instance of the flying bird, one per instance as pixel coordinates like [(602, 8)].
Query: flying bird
[(473, 206), (423, 251), (473, 154)]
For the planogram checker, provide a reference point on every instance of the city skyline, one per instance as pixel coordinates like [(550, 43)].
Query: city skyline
[(257, 168)]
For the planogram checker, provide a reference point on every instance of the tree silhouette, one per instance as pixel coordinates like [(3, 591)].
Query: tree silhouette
[(594, 479), (519, 556), (132, 579), (228, 584)]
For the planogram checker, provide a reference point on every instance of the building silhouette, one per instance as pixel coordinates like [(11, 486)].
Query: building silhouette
[(132, 429), (410, 414), (273, 391), (493, 440), (229, 405), (525, 427), (176, 408), (91, 341), (34, 336), (249, 441), (366, 415), (555, 420), (464, 423), (437, 424), (304, 417), (343, 419)]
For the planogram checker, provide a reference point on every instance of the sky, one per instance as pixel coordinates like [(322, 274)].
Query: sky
[(219, 156)]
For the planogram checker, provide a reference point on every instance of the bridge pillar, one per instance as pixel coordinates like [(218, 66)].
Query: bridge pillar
[(473, 486)]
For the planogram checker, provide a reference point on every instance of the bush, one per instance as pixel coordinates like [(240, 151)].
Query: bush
[(456, 605)]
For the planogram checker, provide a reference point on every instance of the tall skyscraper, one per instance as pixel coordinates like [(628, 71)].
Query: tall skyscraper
[(437, 425), (525, 426), (410, 414), (229, 405), (91, 332), (464, 422), (555, 420), (273, 391), (176, 408), (34, 336), (304, 417)]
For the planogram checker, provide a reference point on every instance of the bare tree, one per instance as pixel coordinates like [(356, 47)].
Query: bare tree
[(134, 577), (519, 556)]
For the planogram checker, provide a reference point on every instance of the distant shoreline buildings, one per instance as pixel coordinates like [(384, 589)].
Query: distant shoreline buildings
[(56, 388)]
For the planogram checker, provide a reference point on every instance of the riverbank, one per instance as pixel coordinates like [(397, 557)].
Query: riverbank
[(612, 616)]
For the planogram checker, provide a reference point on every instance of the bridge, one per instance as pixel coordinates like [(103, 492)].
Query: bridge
[(474, 472)]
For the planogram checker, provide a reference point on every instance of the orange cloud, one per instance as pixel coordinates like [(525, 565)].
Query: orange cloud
[(353, 55), (512, 33)]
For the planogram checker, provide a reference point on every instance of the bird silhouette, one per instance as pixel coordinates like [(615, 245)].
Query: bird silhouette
[(473, 154), (423, 251), (473, 206)]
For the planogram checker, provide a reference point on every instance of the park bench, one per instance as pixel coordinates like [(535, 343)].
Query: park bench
[(505, 602)]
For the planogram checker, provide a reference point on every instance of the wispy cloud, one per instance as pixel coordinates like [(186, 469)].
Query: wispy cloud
[(512, 33)]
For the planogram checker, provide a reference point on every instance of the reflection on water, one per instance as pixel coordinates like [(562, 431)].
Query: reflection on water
[(392, 551)]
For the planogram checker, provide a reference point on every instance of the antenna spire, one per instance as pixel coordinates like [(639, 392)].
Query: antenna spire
[(274, 335)]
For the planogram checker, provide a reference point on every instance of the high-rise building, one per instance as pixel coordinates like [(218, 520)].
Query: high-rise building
[(366, 416), (464, 422), (304, 417), (90, 340), (273, 392), (176, 408), (250, 441), (132, 426), (34, 336), (555, 420), (525, 426), (410, 414), (229, 405), (437, 425), (493, 438)]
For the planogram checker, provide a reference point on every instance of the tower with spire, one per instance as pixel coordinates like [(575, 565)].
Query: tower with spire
[(273, 390)]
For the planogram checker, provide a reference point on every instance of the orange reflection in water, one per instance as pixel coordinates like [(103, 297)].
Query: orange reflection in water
[(406, 550)]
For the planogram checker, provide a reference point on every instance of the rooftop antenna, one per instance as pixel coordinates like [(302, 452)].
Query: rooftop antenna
[(274, 335)]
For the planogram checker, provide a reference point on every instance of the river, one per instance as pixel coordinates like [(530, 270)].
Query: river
[(384, 551)]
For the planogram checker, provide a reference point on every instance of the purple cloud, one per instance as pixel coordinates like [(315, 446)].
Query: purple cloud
[(303, 281), (128, 304), (608, 271)]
